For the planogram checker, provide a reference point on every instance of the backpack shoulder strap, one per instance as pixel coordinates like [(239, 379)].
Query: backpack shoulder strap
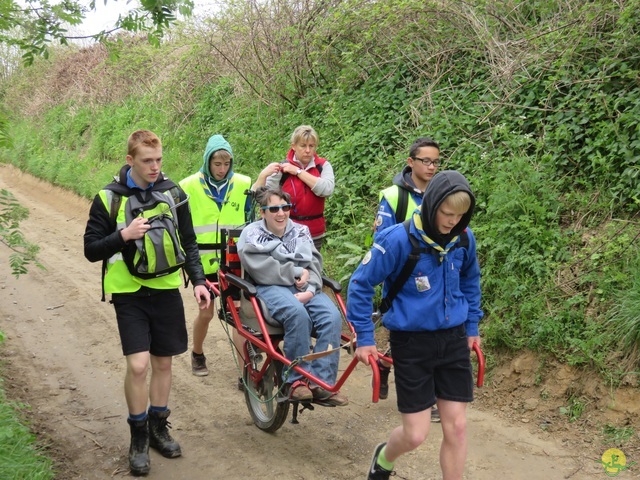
[(175, 194), (116, 200), (403, 203), (464, 240), (117, 190), (405, 273)]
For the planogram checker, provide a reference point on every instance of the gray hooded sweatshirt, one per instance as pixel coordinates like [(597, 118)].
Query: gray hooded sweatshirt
[(271, 260)]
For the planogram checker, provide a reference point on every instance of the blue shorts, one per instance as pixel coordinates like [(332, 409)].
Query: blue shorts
[(153, 323), (430, 365)]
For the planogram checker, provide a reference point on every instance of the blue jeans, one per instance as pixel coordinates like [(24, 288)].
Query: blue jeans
[(319, 315)]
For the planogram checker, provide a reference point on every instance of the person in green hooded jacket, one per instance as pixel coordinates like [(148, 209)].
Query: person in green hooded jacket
[(218, 200)]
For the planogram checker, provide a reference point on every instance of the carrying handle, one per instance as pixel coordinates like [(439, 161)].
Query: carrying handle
[(481, 364)]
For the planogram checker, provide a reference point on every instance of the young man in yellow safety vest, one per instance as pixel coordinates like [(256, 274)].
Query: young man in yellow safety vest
[(217, 197), (128, 230)]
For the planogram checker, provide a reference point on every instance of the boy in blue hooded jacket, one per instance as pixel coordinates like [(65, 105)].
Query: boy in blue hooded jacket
[(218, 200), (433, 321)]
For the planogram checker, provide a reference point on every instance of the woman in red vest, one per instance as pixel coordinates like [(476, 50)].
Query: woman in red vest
[(306, 177)]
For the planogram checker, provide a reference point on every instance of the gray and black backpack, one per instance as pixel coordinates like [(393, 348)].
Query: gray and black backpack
[(159, 251)]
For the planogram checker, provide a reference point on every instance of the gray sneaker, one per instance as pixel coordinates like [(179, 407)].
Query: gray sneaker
[(199, 366)]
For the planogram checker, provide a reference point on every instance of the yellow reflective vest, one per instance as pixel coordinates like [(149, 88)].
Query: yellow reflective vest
[(391, 194), (208, 219)]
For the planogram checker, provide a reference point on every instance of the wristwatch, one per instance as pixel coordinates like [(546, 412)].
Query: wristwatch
[(298, 172)]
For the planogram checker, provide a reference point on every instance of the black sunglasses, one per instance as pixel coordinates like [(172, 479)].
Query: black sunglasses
[(276, 208)]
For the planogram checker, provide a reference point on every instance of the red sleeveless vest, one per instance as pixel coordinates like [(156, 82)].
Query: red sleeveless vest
[(308, 208)]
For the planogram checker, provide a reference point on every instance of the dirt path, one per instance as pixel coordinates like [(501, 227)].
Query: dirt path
[(63, 357)]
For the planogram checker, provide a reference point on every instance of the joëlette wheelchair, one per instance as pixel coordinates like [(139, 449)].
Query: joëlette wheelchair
[(262, 360)]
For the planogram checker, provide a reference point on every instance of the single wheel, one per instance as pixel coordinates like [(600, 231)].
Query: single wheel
[(262, 395)]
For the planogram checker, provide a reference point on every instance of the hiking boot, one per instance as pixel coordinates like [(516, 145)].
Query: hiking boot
[(199, 365), (384, 380), (159, 437), (299, 392), (435, 414), (376, 472), (324, 396), (139, 450)]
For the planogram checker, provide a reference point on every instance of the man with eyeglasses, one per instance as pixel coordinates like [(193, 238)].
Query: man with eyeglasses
[(286, 267), (397, 204)]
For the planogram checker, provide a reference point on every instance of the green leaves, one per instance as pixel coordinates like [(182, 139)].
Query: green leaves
[(24, 253), (39, 23)]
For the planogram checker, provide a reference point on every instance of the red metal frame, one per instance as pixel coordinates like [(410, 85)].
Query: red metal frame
[(267, 345), (271, 351)]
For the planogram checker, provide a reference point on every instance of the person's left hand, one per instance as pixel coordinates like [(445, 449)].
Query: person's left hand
[(202, 296), (471, 340)]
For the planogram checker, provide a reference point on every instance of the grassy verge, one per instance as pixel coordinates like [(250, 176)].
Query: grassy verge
[(20, 455)]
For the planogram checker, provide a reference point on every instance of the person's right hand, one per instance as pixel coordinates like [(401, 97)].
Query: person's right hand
[(270, 170), (136, 229), (363, 353), (301, 283), (202, 296)]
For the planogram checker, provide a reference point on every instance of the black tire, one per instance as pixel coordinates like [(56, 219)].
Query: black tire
[(262, 398)]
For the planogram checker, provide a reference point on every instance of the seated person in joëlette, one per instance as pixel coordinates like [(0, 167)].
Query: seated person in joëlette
[(282, 260)]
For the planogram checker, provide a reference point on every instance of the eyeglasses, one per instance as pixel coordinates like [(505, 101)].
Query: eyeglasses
[(428, 162), (276, 208)]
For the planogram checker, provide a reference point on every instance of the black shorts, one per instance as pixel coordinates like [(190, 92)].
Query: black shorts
[(153, 323), (430, 365)]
